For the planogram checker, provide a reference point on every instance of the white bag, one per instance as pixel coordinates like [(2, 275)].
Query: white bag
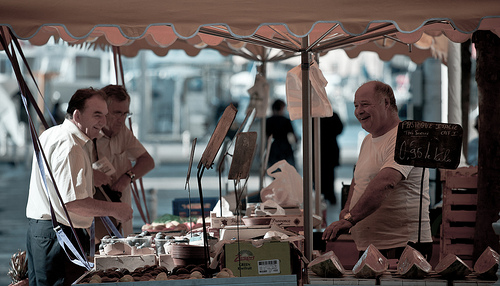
[(286, 189), (270, 204)]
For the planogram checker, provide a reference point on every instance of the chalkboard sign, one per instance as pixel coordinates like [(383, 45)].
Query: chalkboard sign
[(428, 144)]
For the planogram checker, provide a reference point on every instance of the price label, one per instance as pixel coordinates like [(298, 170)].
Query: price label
[(269, 266), (428, 144)]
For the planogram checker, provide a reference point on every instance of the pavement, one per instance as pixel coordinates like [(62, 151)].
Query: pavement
[(163, 184)]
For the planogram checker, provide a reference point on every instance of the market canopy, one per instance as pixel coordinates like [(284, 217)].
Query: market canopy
[(292, 26), (391, 27)]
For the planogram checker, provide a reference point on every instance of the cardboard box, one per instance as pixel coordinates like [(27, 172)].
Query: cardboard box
[(267, 258), (287, 220), (221, 222), (117, 248), (279, 220), (167, 261), (243, 232), (130, 262), (181, 206)]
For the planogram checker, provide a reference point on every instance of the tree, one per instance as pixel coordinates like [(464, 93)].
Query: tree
[(488, 189)]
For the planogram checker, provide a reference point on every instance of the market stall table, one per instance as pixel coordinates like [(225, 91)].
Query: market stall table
[(281, 280), (389, 278)]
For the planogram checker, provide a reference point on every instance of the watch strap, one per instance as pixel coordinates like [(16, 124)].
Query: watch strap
[(348, 217), (130, 174)]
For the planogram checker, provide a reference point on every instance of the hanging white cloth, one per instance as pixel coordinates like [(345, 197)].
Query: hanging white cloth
[(259, 96), (320, 105)]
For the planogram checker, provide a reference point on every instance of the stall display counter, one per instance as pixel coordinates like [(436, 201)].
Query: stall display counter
[(345, 249), (389, 278), (281, 280)]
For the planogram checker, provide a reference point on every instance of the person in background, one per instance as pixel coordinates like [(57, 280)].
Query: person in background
[(383, 204), (472, 151), (330, 128), (280, 127), (68, 148), (118, 144)]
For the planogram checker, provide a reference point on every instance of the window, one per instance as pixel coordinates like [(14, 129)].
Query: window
[(88, 68)]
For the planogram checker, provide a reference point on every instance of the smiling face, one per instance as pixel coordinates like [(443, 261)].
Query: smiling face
[(372, 110), (118, 111), (92, 118)]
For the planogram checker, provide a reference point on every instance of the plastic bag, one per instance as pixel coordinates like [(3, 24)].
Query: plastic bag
[(320, 105), (286, 189), (226, 208), (271, 204)]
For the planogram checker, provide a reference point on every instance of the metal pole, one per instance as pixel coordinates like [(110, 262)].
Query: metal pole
[(263, 137), (316, 125), (307, 150), (144, 99), (317, 160)]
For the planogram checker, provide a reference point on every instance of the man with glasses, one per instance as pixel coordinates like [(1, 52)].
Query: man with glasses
[(67, 148), (118, 144)]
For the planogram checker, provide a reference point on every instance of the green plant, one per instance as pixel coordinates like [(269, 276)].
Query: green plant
[(18, 266)]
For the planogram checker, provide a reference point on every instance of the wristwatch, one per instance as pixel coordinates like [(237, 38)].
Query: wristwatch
[(348, 217), (131, 175)]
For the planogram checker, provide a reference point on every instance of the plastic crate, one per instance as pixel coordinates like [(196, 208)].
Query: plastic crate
[(181, 206)]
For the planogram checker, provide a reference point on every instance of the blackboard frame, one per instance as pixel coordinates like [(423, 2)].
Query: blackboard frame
[(428, 144)]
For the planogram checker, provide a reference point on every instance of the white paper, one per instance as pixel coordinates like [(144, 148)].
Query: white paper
[(104, 166)]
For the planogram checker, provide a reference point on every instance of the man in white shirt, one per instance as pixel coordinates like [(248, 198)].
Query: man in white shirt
[(68, 148), (118, 144), (383, 204)]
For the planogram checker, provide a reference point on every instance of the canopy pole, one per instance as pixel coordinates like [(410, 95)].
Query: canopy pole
[(318, 185), (307, 150), (455, 89), (316, 126), (263, 134)]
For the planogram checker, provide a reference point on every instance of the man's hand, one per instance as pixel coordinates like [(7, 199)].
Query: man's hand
[(101, 178), (335, 229), (343, 212), (121, 184), (123, 212)]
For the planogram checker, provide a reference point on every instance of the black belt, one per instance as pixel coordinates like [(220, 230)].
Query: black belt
[(82, 233), (49, 222)]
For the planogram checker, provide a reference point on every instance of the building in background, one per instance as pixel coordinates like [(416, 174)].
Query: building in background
[(177, 97)]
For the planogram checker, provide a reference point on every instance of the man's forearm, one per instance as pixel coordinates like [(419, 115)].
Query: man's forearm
[(376, 192), (90, 207), (143, 165)]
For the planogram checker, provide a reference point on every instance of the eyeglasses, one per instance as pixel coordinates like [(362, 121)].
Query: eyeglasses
[(123, 114)]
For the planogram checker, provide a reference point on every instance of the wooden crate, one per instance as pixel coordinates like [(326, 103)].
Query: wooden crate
[(391, 278), (347, 279), (459, 213)]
